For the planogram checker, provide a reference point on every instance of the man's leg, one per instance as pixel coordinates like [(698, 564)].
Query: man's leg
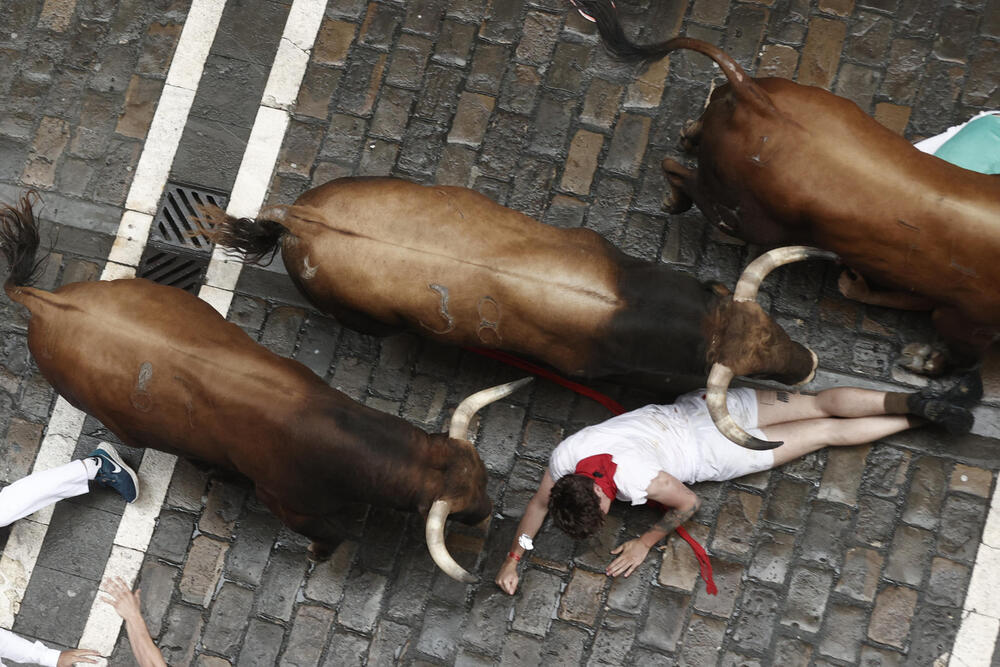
[(30, 494), (802, 437), (946, 408), (779, 407)]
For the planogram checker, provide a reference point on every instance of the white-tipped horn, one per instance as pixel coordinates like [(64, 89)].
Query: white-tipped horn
[(757, 270), (715, 396), (472, 404), (434, 533)]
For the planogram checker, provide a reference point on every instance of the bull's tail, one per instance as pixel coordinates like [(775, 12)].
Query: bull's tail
[(613, 35), (19, 240), (257, 239)]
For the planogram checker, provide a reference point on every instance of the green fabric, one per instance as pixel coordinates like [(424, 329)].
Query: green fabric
[(976, 146)]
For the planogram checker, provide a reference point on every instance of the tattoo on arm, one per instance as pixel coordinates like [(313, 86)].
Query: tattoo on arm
[(783, 396), (673, 518)]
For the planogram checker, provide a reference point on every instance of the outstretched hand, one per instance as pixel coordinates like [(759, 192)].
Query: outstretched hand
[(73, 656), (126, 602), (632, 554)]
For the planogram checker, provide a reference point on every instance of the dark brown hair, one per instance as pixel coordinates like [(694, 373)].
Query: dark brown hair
[(575, 507)]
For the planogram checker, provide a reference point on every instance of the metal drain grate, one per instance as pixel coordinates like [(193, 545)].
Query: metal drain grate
[(168, 266), (178, 215)]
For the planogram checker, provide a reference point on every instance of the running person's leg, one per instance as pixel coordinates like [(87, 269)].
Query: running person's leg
[(30, 494)]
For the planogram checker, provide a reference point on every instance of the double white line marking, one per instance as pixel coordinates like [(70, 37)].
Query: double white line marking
[(253, 178)]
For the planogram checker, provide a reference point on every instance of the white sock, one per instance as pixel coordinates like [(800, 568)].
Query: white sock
[(92, 464)]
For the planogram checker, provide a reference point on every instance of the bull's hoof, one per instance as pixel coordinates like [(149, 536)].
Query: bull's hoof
[(318, 553), (924, 359), (677, 202), (690, 136)]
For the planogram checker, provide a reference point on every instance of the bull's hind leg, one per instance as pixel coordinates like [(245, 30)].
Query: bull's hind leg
[(678, 176)]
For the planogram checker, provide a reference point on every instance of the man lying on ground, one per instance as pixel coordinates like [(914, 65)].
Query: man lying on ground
[(650, 454)]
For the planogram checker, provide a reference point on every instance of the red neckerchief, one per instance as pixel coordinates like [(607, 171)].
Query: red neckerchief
[(704, 563), (601, 469)]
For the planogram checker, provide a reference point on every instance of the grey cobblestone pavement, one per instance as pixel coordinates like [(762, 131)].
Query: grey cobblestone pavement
[(860, 556)]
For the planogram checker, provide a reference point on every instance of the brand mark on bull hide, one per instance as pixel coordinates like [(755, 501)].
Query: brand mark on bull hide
[(140, 398), (442, 309)]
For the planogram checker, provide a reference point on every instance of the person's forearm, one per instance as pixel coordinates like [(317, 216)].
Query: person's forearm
[(667, 524), (143, 648), (530, 524)]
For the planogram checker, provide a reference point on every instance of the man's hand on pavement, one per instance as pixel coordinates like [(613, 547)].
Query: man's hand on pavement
[(507, 576), (632, 553)]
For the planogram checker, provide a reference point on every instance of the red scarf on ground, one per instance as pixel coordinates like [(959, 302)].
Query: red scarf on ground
[(601, 468)]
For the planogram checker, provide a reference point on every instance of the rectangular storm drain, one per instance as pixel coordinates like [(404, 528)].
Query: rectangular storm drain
[(177, 217), (169, 266)]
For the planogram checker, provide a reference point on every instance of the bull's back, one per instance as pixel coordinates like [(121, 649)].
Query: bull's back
[(162, 369), (836, 178), (452, 264)]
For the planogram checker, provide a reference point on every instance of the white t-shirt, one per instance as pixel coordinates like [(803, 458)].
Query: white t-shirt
[(679, 439), (635, 442)]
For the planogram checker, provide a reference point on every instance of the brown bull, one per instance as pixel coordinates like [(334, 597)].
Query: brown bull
[(781, 163), (384, 254), (162, 369)]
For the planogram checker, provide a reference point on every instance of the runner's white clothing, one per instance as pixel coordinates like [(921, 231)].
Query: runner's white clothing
[(40, 489), (679, 439), (19, 649)]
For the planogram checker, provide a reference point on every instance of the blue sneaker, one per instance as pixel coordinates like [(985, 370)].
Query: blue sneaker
[(115, 474)]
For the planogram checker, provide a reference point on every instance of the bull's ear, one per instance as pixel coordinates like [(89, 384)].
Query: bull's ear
[(720, 290)]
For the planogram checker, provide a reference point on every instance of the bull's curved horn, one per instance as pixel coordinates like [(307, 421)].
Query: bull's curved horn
[(434, 533), (715, 396), (471, 405), (757, 270)]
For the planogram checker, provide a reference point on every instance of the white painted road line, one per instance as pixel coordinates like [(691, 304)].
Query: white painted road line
[(158, 153), (977, 636), (975, 641), (172, 110), (63, 431), (266, 137), (249, 190), (134, 534)]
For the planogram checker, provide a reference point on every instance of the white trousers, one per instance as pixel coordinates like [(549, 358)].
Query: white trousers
[(40, 489)]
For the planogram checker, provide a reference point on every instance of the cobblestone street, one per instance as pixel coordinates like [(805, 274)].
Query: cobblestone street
[(851, 556)]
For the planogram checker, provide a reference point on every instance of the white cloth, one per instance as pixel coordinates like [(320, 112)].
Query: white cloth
[(19, 649), (679, 439), (40, 489)]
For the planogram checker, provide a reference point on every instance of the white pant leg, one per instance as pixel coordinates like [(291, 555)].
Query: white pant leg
[(40, 489)]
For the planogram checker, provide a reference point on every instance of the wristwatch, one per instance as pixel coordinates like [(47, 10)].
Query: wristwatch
[(524, 541)]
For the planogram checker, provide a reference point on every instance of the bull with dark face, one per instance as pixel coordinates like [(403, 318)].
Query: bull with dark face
[(162, 369), (384, 255), (782, 163)]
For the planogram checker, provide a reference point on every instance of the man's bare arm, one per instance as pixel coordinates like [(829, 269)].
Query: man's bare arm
[(531, 522), (670, 520), (666, 490)]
